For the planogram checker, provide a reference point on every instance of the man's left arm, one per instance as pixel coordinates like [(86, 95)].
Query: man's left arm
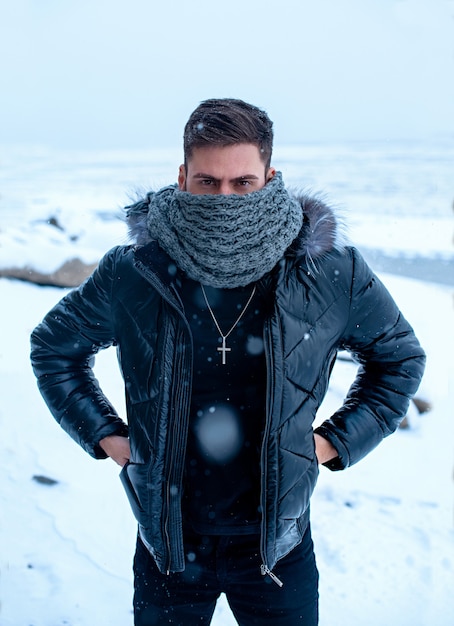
[(391, 367)]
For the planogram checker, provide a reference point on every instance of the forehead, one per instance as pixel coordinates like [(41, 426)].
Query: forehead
[(237, 159)]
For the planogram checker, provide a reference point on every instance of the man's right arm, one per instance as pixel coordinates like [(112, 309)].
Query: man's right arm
[(63, 346)]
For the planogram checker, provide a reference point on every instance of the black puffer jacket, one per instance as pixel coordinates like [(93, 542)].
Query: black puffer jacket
[(326, 299)]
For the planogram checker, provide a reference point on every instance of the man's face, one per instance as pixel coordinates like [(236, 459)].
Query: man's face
[(236, 169)]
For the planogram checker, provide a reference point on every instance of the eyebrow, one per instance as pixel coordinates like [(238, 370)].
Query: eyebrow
[(233, 180)]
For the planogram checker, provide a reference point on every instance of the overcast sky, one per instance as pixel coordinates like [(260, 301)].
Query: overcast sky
[(114, 73)]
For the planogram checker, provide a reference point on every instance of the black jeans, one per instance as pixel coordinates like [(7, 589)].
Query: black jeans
[(216, 564)]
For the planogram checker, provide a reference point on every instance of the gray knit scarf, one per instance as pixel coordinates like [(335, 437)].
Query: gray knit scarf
[(225, 241)]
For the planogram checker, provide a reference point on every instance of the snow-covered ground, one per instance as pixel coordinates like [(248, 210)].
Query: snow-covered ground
[(383, 530)]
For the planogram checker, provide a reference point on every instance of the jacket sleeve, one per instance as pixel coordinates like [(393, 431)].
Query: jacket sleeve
[(62, 354), (391, 365)]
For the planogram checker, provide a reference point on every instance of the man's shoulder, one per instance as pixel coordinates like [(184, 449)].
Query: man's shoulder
[(336, 270), (341, 258), (138, 262), (128, 255), (117, 256)]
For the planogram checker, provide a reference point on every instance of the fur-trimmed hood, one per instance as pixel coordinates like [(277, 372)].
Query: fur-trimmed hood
[(320, 233)]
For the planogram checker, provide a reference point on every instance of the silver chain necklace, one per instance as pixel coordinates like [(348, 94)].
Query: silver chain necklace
[(224, 348)]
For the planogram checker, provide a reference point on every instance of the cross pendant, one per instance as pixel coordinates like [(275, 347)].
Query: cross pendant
[(224, 349)]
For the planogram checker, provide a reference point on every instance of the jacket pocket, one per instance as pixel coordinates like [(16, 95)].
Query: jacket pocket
[(134, 477)]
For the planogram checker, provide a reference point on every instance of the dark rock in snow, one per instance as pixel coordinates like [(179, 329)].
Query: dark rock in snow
[(44, 480), (70, 274)]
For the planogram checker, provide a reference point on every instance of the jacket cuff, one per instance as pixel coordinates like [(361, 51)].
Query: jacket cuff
[(97, 452), (339, 462)]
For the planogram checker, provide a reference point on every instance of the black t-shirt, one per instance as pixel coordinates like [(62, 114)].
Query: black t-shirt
[(222, 477)]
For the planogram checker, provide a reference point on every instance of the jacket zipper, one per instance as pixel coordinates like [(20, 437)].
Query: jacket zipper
[(264, 569), (174, 480), (166, 518), (267, 572), (150, 276)]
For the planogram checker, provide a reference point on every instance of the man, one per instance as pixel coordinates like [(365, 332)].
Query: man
[(227, 316)]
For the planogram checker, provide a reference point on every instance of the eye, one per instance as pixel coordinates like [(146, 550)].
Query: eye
[(245, 184)]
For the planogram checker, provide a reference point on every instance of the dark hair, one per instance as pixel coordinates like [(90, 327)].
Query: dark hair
[(225, 122)]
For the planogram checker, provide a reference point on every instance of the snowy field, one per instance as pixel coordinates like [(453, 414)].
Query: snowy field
[(383, 530)]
